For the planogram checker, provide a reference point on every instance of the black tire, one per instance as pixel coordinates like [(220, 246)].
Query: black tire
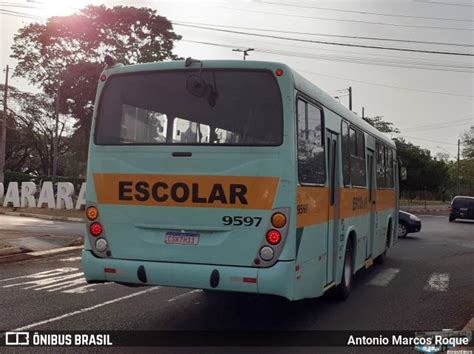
[(381, 258), (402, 229), (343, 290), (451, 219)]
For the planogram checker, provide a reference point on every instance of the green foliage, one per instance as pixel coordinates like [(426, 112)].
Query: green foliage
[(424, 173), (64, 57), (468, 143), (464, 184), (381, 125), (19, 177), (30, 133)]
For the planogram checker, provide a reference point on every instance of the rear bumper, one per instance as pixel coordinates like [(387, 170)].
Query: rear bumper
[(276, 280), (459, 215)]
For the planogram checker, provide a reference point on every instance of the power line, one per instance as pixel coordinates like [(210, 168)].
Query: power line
[(366, 12), (20, 14), (180, 23), (371, 56), (23, 6), (377, 62), (443, 3), (353, 21), (390, 86), (431, 141), (331, 43), (440, 125)]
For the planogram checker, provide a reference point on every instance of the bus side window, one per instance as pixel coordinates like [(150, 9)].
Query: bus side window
[(357, 151), (381, 182), (311, 159), (346, 157)]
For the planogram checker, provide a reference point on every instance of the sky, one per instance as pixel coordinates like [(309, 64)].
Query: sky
[(428, 96)]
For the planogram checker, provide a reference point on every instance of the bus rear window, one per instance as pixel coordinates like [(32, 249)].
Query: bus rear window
[(183, 107)]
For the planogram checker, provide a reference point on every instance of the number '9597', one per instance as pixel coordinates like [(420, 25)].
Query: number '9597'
[(242, 220)]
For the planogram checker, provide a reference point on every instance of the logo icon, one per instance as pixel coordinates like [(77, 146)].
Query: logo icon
[(17, 338)]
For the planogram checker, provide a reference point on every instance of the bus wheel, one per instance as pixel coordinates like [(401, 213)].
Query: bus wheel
[(343, 290), (381, 258)]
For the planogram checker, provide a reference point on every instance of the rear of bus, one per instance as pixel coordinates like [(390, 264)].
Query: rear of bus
[(191, 177)]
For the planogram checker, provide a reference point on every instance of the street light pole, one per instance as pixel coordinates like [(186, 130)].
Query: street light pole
[(245, 51), (459, 167)]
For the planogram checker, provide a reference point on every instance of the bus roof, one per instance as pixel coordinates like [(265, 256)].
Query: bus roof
[(301, 83)]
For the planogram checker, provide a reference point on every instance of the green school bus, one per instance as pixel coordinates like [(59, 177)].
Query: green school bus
[(233, 176)]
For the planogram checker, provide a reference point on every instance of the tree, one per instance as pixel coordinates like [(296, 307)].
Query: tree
[(425, 173), (30, 135), (468, 143), (64, 56), (381, 125)]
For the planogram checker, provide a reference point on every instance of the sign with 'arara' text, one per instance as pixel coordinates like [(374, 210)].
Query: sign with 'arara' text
[(24, 197)]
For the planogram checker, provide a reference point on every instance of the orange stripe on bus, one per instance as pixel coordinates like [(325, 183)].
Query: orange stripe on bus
[(242, 192), (313, 204)]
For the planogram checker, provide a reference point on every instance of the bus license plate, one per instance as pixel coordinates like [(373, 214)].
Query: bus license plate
[(182, 238)]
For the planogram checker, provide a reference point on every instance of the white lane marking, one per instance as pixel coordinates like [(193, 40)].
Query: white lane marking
[(59, 279), (437, 282), (70, 259), (78, 312), (384, 277), (185, 294), (83, 289), (67, 284), (38, 283), (47, 273)]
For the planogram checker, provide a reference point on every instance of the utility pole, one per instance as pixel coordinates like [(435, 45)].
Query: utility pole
[(350, 98), (56, 138), (245, 51), (459, 167), (3, 139)]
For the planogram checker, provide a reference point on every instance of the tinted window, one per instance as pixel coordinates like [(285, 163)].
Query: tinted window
[(385, 176), (389, 168), (174, 107), (463, 203), (357, 149), (381, 166), (311, 160), (346, 162)]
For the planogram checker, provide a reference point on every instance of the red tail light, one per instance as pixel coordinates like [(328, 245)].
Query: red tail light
[(273, 237), (95, 229)]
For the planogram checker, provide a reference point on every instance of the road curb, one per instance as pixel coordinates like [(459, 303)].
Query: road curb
[(9, 251), (37, 254), (42, 216)]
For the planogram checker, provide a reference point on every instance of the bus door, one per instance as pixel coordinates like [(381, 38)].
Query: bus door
[(333, 203), (372, 205)]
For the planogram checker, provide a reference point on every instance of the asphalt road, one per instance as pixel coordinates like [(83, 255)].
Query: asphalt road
[(426, 283), (40, 226)]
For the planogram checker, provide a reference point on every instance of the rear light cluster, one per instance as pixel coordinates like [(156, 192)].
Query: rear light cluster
[(273, 239), (96, 230)]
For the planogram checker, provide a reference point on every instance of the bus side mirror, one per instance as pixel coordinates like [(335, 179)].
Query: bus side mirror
[(403, 173)]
